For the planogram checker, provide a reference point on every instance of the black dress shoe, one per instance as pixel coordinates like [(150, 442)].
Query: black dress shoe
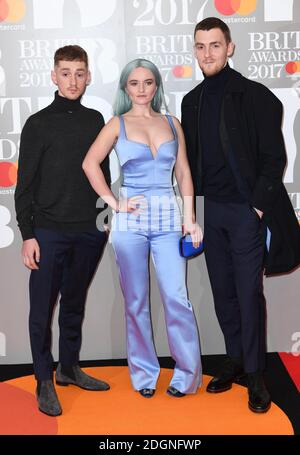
[(147, 393), (174, 392), (259, 397), (231, 371)]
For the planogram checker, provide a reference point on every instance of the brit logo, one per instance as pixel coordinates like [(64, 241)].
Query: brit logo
[(278, 10), (231, 7), (2, 79), (8, 174), (51, 14), (6, 232)]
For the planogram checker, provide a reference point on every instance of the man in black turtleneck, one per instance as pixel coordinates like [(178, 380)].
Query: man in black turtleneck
[(236, 152), (56, 212)]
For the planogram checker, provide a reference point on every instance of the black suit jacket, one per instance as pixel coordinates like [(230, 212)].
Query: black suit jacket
[(250, 129)]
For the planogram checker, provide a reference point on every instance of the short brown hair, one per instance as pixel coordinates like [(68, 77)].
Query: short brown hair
[(71, 53), (214, 22)]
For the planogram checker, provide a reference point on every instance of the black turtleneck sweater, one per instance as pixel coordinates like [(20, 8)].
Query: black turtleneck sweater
[(52, 190), (218, 179)]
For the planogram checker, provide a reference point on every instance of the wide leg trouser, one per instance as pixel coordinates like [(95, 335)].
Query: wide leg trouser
[(234, 252), (132, 253), (67, 265)]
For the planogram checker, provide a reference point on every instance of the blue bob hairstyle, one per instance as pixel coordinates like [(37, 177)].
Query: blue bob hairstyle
[(123, 103)]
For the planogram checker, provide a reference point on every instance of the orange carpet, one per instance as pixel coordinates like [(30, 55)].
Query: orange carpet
[(121, 410)]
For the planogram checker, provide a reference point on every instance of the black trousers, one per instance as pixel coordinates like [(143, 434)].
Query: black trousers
[(67, 264), (234, 252)]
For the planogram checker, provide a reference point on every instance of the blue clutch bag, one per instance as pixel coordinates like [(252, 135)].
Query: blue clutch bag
[(186, 248)]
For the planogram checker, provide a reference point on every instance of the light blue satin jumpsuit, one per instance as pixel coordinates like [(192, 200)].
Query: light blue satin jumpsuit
[(157, 231)]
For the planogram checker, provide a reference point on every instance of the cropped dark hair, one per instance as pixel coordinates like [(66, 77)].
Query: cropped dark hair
[(214, 22), (71, 53)]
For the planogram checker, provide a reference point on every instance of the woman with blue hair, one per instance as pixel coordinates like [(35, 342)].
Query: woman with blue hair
[(147, 220)]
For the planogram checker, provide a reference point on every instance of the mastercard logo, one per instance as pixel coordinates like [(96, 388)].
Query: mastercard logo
[(12, 10), (8, 173), (292, 67), (182, 71), (230, 7)]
